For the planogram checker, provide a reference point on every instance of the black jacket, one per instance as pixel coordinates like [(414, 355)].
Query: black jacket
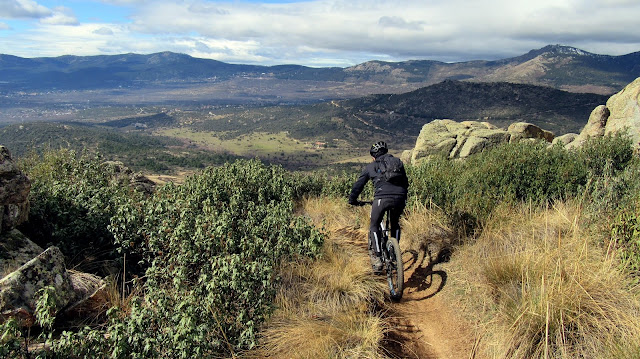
[(383, 189)]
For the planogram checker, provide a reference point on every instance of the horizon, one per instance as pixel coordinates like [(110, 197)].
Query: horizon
[(316, 33), (294, 64)]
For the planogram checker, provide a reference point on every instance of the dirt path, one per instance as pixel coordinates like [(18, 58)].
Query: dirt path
[(425, 325)]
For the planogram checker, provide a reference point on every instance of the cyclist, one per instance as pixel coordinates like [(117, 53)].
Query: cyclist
[(388, 195)]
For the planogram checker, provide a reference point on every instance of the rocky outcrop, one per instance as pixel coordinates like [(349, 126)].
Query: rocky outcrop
[(621, 113), (25, 268), (462, 139), (15, 250), (124, 174), (19, 289), (14, 190), (625, 112)]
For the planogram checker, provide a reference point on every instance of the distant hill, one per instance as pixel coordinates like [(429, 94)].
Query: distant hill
[(400, 117), (500, 103), (556, 66)]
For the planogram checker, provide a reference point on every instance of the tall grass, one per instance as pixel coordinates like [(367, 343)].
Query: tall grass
[(327, 307), (539, 287)]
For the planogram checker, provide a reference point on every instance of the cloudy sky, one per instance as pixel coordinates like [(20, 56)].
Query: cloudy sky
[(317, 32)]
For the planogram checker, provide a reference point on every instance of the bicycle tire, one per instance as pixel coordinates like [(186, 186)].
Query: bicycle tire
[(395, 269)]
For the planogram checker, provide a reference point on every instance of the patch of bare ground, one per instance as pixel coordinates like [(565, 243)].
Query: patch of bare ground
[(423, 324)]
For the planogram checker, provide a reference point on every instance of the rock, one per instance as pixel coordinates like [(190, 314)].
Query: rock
[(565, 139), (123, 174), (406, 156), (142, 184), (625, 112), (19, 289), (597, 122), (522, 130), (621, 113), (15, 250), (461, 139), (14, 192), (90, 293)]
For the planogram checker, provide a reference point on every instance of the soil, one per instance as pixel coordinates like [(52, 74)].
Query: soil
[(424, 324)]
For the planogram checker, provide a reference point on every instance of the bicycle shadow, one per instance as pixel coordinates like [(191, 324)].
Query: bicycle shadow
[(424, 277)]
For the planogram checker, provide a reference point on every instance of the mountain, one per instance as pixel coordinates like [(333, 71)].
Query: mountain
[(556, 66), (399, 117), (500, 103)]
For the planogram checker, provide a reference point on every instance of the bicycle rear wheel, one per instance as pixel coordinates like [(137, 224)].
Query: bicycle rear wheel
[(395, 269)]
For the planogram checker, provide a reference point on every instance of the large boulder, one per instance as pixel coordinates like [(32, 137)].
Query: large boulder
[(15, 250), (621, 113), (462, 139), (14, 190), (625, 112), (19, 289), (525, 130)]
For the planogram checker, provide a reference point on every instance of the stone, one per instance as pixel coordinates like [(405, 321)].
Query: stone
[(597, 122), (123, 174), (523, 130), (624, 108), (14, 192), (19, 289), (461, 139), (621, 113), (565, 139), (15, 250)]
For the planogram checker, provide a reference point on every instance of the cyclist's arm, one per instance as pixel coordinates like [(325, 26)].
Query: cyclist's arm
[(358, 186)]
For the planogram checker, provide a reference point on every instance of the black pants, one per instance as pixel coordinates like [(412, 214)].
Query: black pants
[(378, 207)]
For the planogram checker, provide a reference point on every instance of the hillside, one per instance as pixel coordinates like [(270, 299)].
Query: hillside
[(160, 138), (499, 103), (556, 66)]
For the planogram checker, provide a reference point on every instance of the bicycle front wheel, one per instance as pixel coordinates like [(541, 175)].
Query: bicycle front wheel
[(395, 269)]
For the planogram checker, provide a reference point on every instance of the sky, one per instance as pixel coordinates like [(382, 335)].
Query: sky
[(317, 33)]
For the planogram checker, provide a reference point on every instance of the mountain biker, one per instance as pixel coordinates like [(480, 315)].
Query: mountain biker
[(388, 194)]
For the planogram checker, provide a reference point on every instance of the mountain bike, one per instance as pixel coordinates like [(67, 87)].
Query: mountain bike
[(391, 257)]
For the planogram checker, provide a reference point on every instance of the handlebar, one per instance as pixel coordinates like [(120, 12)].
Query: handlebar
[(361, 203)]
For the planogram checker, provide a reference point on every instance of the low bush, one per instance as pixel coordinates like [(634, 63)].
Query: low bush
[(469, 190), (212, 247), (72, 200)]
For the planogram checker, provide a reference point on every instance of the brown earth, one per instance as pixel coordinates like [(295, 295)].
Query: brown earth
[(424, 324)]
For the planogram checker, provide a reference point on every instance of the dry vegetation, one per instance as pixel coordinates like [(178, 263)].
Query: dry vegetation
[(538, 286), (535, 284), (331, 307)]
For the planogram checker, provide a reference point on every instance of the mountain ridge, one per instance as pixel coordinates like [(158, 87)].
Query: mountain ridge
[(558, 66)]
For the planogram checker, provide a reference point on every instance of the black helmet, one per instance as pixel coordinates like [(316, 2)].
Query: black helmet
[(378, 149)]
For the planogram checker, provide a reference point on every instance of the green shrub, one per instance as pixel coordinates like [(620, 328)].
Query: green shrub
[(615, 151), (212, 247), (72, 200), (469, 190)]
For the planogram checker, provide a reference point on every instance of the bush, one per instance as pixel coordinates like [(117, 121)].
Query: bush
[(524, 171), (212, 247), (72, 200)]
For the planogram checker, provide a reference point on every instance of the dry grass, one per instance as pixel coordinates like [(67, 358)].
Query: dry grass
[(538, 287), (326, 307), (425, 231)]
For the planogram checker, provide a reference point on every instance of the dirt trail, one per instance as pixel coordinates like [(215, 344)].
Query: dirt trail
[(425, 325)]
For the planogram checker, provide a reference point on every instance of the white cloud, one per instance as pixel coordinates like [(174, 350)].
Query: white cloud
[(4, 26), (16, 9), (103, 31), (61, 16), (339, 32)]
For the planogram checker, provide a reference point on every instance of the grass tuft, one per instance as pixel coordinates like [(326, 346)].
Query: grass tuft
[(327, 307), (540, 288)]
